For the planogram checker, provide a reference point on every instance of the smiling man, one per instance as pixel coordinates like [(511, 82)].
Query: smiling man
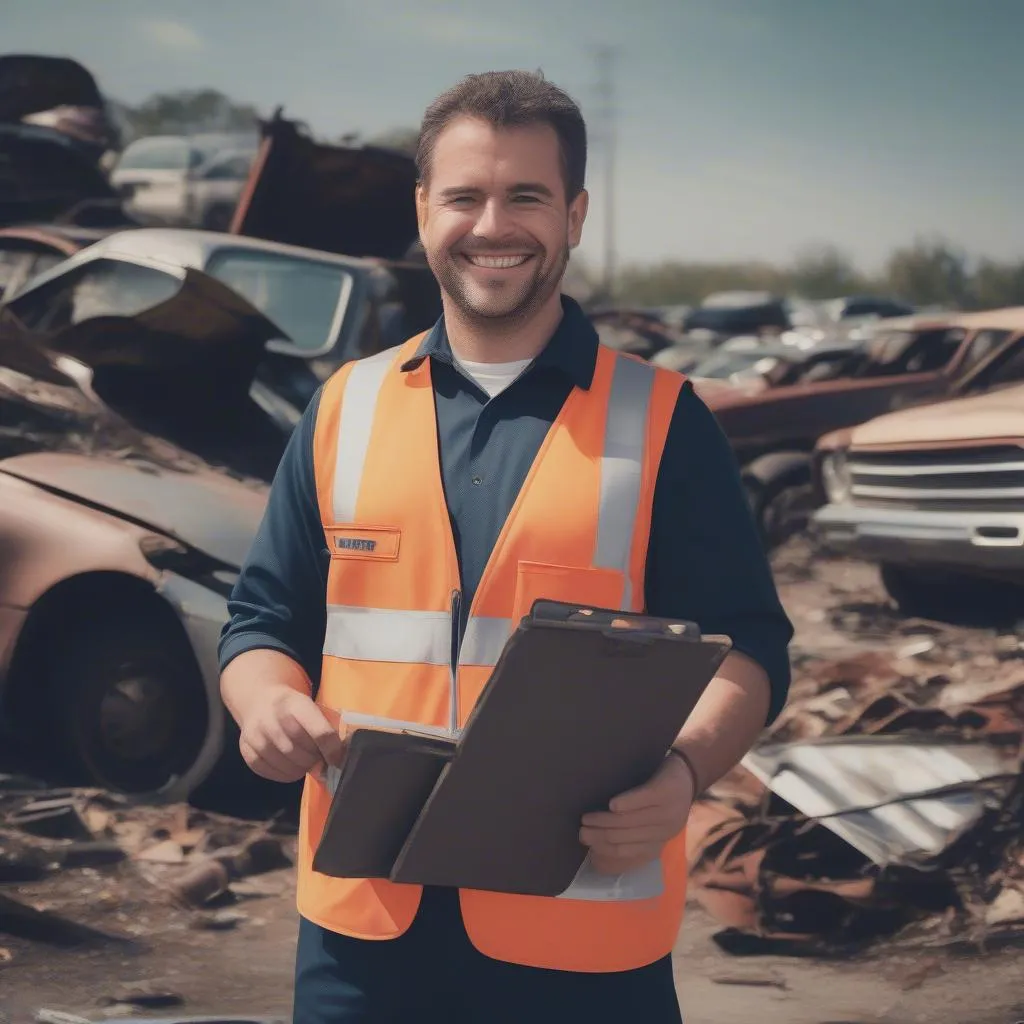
[(440, 487)]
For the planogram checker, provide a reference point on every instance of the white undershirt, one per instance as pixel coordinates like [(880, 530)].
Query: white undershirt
[(493, 377)]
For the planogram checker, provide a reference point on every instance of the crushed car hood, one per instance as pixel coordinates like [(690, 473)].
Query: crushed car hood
[(997, 414), (204, 510), (182, 371), (355, 201), (31, 83)]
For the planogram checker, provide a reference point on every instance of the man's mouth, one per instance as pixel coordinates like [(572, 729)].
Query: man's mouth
[(497, 262)]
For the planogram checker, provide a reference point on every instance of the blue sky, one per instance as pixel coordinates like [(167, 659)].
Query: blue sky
[(747, 128)]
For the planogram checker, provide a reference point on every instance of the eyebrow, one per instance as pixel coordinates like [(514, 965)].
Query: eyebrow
[(518, 189)]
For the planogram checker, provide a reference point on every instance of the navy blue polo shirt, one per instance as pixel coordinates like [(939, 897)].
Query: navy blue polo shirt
[(705, 561)]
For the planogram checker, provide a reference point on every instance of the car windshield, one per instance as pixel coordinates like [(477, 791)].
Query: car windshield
[(723, 365), (155, 154), (735, 320), (301, 296)]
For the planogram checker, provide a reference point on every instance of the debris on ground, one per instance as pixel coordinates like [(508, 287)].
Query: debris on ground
[(189, 859), (886, 800)]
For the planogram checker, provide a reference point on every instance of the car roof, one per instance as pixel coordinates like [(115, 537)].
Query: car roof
[(191, 248), (1008, 318), (68, 232)]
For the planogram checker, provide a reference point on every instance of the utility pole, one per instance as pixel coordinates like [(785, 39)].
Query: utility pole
[(606, 116)]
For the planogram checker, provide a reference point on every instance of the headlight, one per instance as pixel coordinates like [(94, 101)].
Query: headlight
[(835, 476)]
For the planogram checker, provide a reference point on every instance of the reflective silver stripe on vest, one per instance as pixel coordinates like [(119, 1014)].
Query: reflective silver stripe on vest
[(383, 634), (622, 466), (358, 404), (484, 640)]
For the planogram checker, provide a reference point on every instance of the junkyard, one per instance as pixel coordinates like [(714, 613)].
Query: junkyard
[(865, 862)]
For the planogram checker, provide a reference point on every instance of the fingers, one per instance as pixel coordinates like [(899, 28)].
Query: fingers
[(268, 763), (641, 818), (637, 799), (318, 730), (618, 839)]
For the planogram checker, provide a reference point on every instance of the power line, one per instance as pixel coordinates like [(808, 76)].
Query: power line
[(605, 57)]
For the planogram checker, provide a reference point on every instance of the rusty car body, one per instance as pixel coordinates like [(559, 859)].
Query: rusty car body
[(905, 361), (934, 494), (135, 476)]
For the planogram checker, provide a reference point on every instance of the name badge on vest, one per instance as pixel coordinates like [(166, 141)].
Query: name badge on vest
[(373, 542)]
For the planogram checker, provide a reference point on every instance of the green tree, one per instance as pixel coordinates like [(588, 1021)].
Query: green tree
[(998, 284), (930, 272), (187, 112), (823, 272)]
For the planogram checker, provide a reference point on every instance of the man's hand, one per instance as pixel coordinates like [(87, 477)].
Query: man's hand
[(639, 823), (289, 735)]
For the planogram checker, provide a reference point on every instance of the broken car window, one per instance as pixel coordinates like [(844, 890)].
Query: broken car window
[(897, 352), (302, 296), (983, 344), (100, 288)]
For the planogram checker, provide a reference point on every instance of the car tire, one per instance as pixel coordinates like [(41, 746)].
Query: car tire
[(950, 597), (771, 506), (129, 703)]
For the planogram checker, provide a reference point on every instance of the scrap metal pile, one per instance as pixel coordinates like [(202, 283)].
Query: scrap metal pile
[(887, 800), (84, 867)]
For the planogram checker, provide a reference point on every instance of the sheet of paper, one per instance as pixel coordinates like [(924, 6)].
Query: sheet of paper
[(362, 721), (642, 884)]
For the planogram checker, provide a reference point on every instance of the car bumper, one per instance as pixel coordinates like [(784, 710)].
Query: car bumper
[(991, 542)]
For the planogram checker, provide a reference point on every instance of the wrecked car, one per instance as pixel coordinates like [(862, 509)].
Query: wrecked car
[(28, 249), (135, 478), (776, 365), (910, 360), (934, 494), (331, 308), (353, 200), (54, 130), (184, 180)]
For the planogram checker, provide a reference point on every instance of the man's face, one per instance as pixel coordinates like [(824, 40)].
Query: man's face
[(494, 220)]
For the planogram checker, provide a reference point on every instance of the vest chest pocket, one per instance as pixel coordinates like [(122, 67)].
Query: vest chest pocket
[(363, 543), (584, 585)]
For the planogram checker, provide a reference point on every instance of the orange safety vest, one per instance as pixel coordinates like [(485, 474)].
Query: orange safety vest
[(578, 532)]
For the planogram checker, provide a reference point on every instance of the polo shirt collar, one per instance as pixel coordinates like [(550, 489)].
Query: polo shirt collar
[(572, 349)]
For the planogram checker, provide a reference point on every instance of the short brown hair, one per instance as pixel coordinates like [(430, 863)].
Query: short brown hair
[(510, 99)]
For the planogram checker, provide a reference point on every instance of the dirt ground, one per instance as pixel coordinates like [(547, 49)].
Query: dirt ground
[(236, 958)]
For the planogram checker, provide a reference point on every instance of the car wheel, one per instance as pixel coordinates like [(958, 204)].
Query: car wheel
[(951, 597), (774, 507), (130, 703)]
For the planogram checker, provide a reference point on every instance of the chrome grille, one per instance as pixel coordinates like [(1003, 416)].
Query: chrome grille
[(983, 479)]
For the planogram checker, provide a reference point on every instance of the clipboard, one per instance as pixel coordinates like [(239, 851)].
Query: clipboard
[(583, 704)]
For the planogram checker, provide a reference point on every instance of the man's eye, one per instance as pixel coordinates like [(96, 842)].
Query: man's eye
[(525, 199)]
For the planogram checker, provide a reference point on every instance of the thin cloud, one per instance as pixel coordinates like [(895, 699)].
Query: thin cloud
[(455, 27), (173, 35)]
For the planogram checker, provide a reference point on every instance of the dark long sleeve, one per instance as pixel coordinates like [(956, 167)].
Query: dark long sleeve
[(279, 601), (706, 563)]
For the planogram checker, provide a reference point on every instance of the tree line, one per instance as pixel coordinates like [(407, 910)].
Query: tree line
[(926, 272)]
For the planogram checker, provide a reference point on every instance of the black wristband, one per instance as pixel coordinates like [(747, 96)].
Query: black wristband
[(685, 758)]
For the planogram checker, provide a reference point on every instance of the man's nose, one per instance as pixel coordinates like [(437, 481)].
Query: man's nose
[(494, 221)]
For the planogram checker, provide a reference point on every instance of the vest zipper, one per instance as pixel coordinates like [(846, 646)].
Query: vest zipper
[(453, 709)]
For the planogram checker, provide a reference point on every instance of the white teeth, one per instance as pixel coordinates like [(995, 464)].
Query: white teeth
[(497, 262)]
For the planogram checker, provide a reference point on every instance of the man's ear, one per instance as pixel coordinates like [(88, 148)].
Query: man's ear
[(577, 215), (421, 208)]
